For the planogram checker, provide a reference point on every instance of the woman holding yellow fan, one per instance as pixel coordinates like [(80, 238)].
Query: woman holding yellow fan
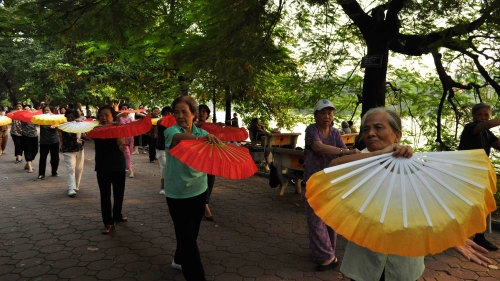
[(378, 259)]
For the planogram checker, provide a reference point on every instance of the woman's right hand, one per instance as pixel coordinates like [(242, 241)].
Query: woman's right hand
[(398, 150)]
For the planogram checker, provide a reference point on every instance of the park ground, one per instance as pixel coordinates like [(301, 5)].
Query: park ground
[(257, 234)]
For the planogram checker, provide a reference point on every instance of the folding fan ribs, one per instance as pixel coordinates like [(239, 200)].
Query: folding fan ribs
[(431, 201), (224, 160)]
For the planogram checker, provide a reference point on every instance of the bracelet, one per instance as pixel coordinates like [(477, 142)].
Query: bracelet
[(341, 151)]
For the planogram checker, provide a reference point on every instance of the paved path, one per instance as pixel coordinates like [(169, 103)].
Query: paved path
[(258, 235)]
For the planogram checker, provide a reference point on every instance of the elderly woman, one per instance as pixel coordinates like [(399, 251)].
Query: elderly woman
[(110, 170), (185, 189), (381, 132), (16, 132), (323, 144), (29, 140), (49, 142)]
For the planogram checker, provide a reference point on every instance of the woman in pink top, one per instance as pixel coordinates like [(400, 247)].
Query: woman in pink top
[(124, 118)]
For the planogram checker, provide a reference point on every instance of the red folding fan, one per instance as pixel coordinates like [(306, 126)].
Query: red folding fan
[(23, 115), (132, 111), (226, 133), (168, 121), (88, 120), (223, 160), (131, 129)]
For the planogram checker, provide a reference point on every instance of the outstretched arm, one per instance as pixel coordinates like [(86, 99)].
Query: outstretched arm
[(473, 252)]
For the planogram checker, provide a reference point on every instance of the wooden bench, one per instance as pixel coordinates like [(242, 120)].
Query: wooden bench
[(349, 139), (286, 159)]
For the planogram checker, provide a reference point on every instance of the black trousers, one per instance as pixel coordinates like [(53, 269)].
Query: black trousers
[(105, 180), (18, 145), (30, 147), (210, 183), (54, 158), (152, 149), (186, 215)]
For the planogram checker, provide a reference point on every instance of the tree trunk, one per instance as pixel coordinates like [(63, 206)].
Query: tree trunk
[(228, 104), (214, 116), (375, 76), (10, 88)]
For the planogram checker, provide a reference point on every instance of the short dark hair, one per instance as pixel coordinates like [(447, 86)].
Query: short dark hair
[(51, 108), (113, 112), (123, 104), (166, 109), (192, 104), (478, 106), (72, 111), (350, 123), (204, 107)]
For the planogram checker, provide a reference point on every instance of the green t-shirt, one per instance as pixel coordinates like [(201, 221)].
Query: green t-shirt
[(182, 181)]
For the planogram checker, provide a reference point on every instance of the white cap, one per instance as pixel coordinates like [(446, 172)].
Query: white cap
[(323, 103)]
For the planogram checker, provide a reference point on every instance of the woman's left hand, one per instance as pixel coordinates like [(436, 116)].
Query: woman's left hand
[(473, 252), (213, 139)]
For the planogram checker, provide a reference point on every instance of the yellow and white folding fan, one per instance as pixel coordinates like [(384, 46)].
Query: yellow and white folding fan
[(48, 119), (406, 206), (4, 120), (78, 127), (154, 121)]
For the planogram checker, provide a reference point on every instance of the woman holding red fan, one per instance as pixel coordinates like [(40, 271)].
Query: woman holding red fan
[(185, 189), (110, 168)]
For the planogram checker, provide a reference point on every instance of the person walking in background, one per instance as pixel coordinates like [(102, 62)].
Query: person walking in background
[(73, 153), (49, 142), (323, 144), (124, 118), (203, 114), (153, 136), (141, 140), (185, 190), (4, 137), (29, 142), (477, 135), (110, 171), (160, 145), (16, 133)]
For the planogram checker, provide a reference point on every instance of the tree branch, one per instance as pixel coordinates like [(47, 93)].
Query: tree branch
[(357, 15)]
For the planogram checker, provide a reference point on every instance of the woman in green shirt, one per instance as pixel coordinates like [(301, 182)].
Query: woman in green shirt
[(185, 189), (381, 133)]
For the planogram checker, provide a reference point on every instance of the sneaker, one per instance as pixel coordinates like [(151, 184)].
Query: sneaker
[(77, 189), (41, 177), (481, 241), (162, 191), (55, 174), (71, 193), (176, 265), (131, 175)]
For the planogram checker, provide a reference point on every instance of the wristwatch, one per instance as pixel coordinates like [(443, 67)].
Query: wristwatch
[(341, 151)]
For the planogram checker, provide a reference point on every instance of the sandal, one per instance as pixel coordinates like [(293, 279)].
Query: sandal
[(331, 265), (122, 219), (107, 229)]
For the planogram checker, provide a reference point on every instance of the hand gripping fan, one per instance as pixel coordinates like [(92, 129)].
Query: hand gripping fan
[(408, 207), (48, 119), (223, 160), (226, 133), (78, 127), (131, 129), (154, 121), (4, 120)]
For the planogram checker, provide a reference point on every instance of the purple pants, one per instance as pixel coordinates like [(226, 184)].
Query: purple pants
[(322, 238), (128, 152)]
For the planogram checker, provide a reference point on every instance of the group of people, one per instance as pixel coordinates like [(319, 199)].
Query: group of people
[(381, 132), (187, 190)]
